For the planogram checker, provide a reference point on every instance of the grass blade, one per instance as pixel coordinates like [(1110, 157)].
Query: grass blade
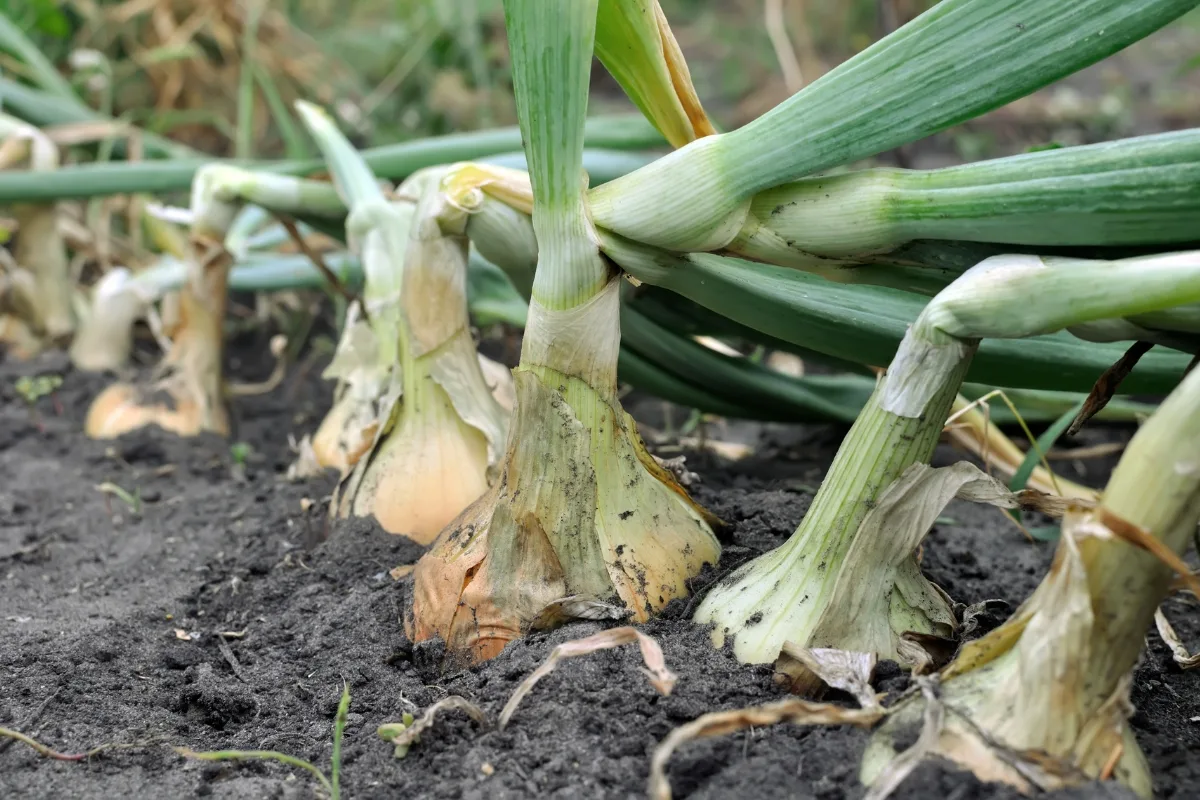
[(13, 40), (1044, 444), (260, 755), (339, 732)]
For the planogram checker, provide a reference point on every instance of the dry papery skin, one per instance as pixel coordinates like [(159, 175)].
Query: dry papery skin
[(417, 439), (997, 691), (189, 377), (609, 523)]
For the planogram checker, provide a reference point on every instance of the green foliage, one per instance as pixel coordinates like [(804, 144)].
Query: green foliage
[(34, 388), (240, 452), (45, 18)]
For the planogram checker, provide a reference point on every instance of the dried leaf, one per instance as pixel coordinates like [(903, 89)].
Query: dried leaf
[(1051, 505), (719, 723), (575, 607), (926, 652), (839, 669), (656, 670), (357, 354), (404, 735), (949, 733), (926, 745), (1106, 385), (860, 616), (1182, 657), (972, 613), (973, 430)]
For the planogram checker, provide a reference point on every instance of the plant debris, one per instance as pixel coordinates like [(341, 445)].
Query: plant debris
[(1179, 652), (719, 723), (661, 678), (406, 733)]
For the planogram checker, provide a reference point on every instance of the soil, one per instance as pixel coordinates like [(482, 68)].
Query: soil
[(111, 622)]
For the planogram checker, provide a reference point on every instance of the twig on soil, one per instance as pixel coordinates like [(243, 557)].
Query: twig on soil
[(259, 755), (29, 720), (1179, 651), (41, 748), (719, 723), (11, 735), (278, 348), (656, 669), (227, 652)]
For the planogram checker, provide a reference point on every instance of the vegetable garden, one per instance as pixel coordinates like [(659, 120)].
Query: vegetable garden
[(448, 564)]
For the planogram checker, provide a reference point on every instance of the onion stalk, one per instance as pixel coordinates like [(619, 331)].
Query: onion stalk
[(190, 375), (581, 513), (902, 91), (848, 579), (393, 161), (35, 297), (122, 297), (414, 425), (1134, 191), (865, 324), (1055, 678), (658, 356)]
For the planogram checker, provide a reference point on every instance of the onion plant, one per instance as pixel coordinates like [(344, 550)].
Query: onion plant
[(848, 578), (1055, 679), (745, 194), (415, 416), (122, 297), (186, 393), (758, 232), (35, 288), (580, 512)]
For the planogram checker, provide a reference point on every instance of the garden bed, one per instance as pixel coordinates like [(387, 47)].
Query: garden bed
[(111, 623)]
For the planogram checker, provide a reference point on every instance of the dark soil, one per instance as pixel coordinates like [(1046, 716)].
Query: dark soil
[(110, 623)]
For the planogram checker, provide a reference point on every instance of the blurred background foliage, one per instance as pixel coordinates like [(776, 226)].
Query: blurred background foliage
[(220, 75)]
